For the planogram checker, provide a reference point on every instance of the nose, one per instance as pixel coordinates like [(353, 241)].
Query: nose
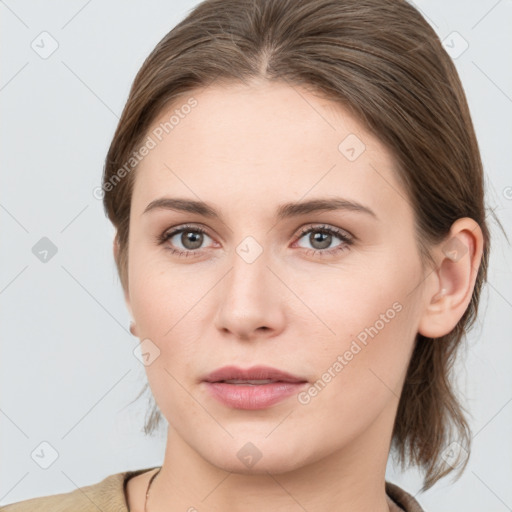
[(250, 300)]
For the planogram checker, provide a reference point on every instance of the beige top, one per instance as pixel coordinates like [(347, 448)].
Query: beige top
[(109, 496)]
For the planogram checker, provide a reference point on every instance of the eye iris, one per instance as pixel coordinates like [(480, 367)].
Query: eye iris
[(324, 239), (193, 237)]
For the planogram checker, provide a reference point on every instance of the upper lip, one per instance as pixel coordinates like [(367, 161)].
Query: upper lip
[(253, 373)]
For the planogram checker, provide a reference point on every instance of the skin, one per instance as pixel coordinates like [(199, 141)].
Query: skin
[(247, 149)]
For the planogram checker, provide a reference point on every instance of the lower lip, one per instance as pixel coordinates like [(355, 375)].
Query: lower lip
[(259, 396)]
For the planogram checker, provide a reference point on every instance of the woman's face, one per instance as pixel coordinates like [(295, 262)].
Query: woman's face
[(261, 284)]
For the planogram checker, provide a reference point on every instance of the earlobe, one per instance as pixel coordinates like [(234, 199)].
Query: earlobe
[(453, 280)]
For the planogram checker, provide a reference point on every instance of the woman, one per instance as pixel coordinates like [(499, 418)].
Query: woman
[(298, 200)]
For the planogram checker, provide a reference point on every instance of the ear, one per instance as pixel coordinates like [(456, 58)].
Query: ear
[(125, 291), (450, 285)]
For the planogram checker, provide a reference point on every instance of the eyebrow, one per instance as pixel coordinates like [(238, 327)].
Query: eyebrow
[(284, 211)]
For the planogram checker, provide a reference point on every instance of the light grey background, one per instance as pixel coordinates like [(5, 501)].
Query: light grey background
[(68, 370)]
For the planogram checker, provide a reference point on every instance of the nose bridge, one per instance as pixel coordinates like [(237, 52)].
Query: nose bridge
[(248, 299), (248, 279)]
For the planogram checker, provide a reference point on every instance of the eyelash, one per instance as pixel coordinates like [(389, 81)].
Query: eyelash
[(346, 239)]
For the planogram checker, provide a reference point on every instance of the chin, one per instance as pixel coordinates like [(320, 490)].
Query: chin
[(257, 458)]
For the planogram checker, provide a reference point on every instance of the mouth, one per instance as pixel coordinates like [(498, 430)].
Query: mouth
[(255, 388), (255, 376), (238, 382)]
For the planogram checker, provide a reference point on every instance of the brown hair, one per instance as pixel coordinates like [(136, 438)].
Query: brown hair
[(384, 62)]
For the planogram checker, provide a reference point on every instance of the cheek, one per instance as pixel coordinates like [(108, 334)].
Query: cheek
[(162, 292), (357, 381), (168, 311), (362, 346), (341, 303), (171, 308)]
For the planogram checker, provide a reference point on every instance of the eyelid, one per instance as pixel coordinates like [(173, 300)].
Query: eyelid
[(343, 233), (302, 230), (171, 232)]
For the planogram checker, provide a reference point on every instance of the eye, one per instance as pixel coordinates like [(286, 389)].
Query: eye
[(191, 239), (321, 237)]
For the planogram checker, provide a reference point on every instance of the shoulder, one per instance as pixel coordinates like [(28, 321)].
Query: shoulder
[(107, 495), (402, 500)]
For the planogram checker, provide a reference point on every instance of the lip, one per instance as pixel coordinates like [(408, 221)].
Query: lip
[(253, 373), (252, 396)]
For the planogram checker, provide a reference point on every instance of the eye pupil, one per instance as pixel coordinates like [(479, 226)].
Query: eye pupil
[(323, 238), (191, 239)]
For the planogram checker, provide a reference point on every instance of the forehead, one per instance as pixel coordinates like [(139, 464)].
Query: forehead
[(263, 142)]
